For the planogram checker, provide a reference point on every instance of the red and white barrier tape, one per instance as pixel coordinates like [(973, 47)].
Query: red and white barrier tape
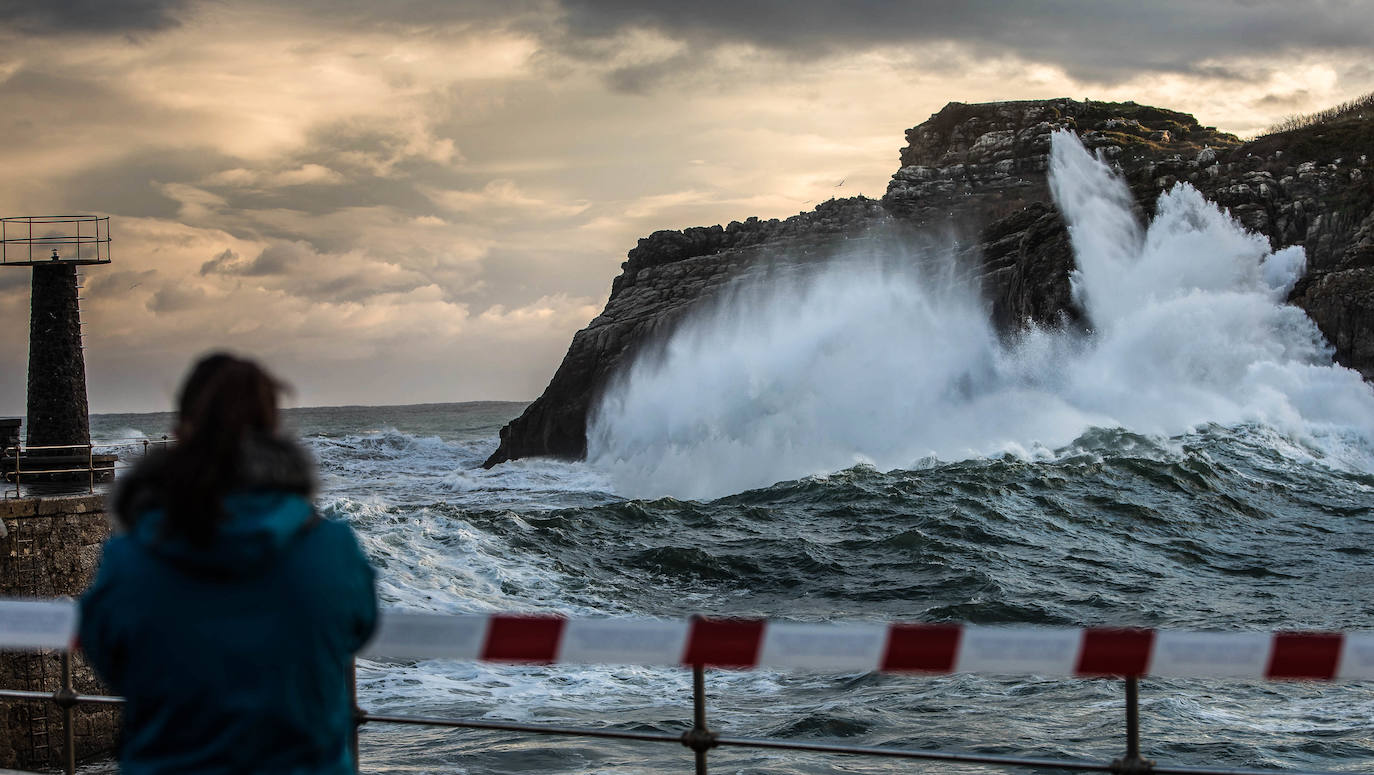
[(838, 648)]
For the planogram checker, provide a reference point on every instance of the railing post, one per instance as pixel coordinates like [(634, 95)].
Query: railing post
[(65, 698), (90, 464), (359, 717), (699, 738), (1132, 763)]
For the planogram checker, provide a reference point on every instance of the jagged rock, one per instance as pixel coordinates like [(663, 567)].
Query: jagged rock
[(1341, 303), (666, 274), (979, 172)]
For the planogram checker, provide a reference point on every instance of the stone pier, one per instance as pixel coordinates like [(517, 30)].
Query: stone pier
[(49, 549)]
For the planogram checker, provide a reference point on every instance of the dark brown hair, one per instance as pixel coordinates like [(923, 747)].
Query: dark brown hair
[(224, 402)]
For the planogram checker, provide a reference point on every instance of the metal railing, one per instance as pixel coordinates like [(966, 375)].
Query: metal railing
[(701, 739), (15, 455), (82, 239)]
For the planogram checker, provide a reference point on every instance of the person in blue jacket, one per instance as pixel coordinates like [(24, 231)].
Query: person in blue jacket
[(227, 611)]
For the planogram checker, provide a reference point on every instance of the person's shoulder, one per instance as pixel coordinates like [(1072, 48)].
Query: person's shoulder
[(122, 558), (120, 548), (275, 463), (141, 489), (332, 547), (333, 535)]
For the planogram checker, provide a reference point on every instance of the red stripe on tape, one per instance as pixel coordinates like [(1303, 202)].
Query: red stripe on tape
[(1114, 652), (523, 638), (1310, 655), (724, 643), (921, 648)]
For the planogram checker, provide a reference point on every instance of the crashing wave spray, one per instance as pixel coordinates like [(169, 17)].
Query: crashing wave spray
[(866, 363)]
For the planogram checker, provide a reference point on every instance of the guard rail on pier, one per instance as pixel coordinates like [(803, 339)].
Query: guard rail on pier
[(701, 644), (93, 459)]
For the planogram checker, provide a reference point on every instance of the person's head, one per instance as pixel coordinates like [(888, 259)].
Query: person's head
[(225, 398), (224, 404)]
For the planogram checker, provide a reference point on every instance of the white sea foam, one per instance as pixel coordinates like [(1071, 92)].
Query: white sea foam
[(869, 362), (423, 466)]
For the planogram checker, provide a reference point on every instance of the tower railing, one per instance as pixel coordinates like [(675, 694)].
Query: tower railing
[(28, 240)]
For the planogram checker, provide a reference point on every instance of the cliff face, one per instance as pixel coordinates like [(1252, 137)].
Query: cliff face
[(666, 274), (978, 172)]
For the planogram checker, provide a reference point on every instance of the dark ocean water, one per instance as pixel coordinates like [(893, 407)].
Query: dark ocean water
[(1218, 529)]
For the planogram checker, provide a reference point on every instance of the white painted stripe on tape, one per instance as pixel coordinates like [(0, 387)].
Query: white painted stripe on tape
[(37, 624), (1216, 654), (1018, 650), (1357, 657), (623, 642), (857, 648), (409, 635)]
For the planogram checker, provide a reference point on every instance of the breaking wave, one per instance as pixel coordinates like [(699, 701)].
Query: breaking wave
[(893, 363)]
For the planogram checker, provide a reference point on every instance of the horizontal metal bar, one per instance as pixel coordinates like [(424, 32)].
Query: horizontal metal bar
[(788, 745), (55, 239), (96, 444), (977, 758), (85, 469), (27, 219), (511, 726), (89, 699), (906, 753), (1077, 765)]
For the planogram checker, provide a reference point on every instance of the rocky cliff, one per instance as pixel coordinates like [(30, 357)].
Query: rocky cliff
[(978, 173)]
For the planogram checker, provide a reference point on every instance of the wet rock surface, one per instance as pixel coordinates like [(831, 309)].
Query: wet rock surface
[(977, 174)]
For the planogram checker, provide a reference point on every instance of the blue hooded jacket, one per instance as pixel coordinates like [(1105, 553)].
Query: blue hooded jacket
[(232, 657)]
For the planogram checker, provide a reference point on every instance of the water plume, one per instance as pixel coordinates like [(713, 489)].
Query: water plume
[(887, 360)]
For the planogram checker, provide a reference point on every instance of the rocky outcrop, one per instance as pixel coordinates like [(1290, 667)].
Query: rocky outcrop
[(977, 173), (664, 276), (970, 165)]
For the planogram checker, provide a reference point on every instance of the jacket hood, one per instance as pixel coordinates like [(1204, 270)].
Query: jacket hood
[(260, 525), (267, 507)]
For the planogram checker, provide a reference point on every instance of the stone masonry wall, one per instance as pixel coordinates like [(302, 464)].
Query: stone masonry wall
[(57, 410), (49, 548)]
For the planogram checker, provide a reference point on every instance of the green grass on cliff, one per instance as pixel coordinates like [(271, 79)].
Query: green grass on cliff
[(1344, 131), (1358, 108), (1340, 137)]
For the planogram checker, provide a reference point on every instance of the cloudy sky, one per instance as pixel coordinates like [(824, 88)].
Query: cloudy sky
[(422, 200)]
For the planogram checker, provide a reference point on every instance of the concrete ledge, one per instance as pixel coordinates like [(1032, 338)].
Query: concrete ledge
[(51, 505)]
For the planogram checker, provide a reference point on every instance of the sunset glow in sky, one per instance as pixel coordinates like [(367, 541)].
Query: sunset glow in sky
[(422, 201)]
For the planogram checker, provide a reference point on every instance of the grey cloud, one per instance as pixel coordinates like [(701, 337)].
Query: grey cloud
[(224, 262), (273, 260), (117, 282), (517, 278), (518, 14), (318, 199), (1294, 99), (353, 287), (91, 16), (13, 278), (641, 79), (131, 186), (295, 268), (1095, 41), (173, 298)]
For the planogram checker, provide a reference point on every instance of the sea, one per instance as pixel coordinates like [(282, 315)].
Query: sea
[(856, 444)]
